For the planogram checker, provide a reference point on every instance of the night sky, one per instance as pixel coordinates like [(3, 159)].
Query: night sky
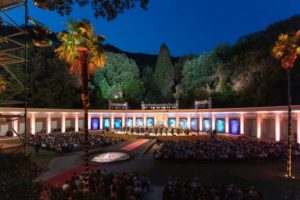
[(186, 26)]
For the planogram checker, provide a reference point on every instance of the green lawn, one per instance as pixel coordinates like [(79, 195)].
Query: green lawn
[(43, 158)]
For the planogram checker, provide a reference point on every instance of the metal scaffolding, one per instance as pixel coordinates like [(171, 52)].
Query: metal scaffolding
[(13, 40)]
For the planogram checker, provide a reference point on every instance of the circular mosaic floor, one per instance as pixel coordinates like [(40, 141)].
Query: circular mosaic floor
[(110, 157)]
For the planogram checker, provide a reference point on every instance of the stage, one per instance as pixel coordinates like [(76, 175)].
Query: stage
[(169, 136)]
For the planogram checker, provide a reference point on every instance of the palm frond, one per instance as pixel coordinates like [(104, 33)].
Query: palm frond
[(78, 38)]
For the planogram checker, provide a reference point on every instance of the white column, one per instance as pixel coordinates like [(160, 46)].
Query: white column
[(89, 121), (48, 123), (189, 121), (144, 120), (226, 123), (242, 121), (166, 120), (298, 127), (277, 127), (15, 126), (112, 119), (76, 123), (63, 123), (32, 123), (123, 120), (101, 121), (258, 126), (200, 121), (213, 122), (134, 120), (177, 120)]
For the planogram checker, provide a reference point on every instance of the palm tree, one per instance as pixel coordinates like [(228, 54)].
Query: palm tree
[(81, 49), (286, 50)]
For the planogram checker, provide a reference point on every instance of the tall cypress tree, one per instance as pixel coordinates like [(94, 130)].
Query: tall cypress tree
[(164, 74)]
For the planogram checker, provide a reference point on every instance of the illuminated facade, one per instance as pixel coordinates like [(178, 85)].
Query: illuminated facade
[(261, 122)]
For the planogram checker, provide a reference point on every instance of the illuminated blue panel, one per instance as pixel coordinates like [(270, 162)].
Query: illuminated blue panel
[(206, 124), (220, 125), (150, 121), (235, 126), (139, 122), (117, 123), (172, 122), (183, 123), (194, 124), (129, 122), (106, 123), (95, 124)]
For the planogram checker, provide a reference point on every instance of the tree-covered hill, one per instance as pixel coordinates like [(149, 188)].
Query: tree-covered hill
[(242, 74)]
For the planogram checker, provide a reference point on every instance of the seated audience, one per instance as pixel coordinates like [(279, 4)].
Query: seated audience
[(105, 185), (178, 189), (236, 149), (69, 141)]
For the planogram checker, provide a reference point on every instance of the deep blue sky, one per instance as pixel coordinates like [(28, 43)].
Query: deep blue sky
[(186, 26)]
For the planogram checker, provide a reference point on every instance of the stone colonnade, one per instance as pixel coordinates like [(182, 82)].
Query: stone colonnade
[(267, 122)]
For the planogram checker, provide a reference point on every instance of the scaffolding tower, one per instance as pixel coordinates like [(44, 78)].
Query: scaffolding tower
[(13, 40)]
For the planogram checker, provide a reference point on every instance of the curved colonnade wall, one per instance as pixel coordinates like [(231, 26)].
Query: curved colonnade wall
[(261, 122)]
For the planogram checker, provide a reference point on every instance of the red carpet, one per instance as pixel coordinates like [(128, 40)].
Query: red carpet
[(60, 179), (134, 145)]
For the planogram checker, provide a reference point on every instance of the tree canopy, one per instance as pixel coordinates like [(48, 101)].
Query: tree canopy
[(198, 73), (247, 75), (164, 75), (119, 80), (107, 9)]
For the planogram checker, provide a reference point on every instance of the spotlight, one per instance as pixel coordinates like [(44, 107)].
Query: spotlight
[(41, 30), (40, 37), (42, 42), (40, 34)]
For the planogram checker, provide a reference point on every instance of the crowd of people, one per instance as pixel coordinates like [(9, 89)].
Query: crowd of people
[(68, 141), (105, 185), (237, 149), (178, 189)]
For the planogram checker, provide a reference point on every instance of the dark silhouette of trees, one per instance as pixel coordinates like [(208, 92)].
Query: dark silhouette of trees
[(107, 9)]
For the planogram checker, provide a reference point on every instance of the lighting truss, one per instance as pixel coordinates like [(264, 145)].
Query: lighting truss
[(13, 40)]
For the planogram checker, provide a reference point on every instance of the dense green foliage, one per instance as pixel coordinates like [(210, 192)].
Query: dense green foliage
[(103, 8), (16, 178), (164, 74), (119, 80), (243, 74), (49, 80), (197, 74)]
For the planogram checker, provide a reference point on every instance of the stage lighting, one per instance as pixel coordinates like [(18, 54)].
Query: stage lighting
[(40, 35), (41, 42), (41, 30)]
